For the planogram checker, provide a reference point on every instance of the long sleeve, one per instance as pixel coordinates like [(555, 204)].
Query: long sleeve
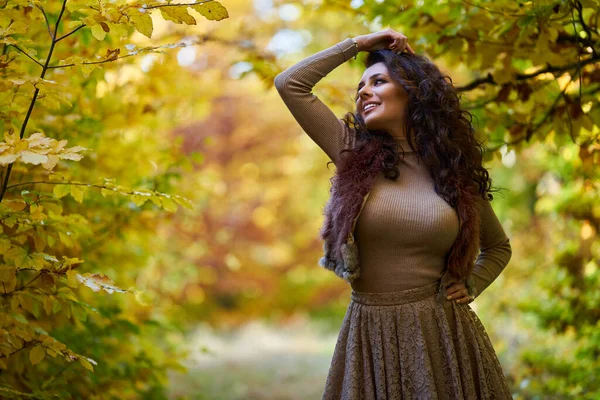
[(495, 249), (295, 86)]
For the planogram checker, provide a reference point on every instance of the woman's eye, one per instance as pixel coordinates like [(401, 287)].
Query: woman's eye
[(379, 80)]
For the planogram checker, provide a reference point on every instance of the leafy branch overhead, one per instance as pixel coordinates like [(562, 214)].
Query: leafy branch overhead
[(535, 64), (56, 56)]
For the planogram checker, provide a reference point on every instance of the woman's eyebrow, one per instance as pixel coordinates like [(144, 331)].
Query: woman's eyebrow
[(361, 83)]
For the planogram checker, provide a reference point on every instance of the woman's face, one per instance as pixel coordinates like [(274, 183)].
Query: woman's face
[(381, 101)]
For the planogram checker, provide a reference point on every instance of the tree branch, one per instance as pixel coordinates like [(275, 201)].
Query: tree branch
[(70, 33), (550, 111), (47, 22), (522, 77), (35, 95), (23, 51), (179, 4)]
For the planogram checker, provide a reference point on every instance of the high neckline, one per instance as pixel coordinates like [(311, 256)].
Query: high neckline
[(405, 146)]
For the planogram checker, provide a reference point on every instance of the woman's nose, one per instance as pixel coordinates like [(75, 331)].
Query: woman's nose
[(364, 93)]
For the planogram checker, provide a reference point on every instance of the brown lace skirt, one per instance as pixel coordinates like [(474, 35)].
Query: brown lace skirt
[(406, 345)]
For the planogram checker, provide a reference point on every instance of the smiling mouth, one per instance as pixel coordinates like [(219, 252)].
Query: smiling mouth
[(368, 110)]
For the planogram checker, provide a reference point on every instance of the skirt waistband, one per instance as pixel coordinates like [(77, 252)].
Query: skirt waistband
[(396, 298)]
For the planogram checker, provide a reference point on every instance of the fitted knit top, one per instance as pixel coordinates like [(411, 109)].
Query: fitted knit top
[(405, 229)]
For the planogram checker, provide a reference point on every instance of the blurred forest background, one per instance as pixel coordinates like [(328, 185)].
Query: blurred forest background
[(159, 206)]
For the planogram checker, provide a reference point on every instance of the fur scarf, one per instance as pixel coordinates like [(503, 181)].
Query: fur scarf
[(354, 178)]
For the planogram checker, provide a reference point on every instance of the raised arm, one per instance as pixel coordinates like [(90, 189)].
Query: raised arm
[(295, 86), (495, 249)]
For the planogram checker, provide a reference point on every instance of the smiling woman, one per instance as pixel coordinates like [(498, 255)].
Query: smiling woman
[(381, 101), (405, 232)]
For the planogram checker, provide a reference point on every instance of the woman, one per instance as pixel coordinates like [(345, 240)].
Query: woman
[(407, 217)]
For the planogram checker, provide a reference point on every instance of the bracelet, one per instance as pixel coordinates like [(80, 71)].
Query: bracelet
[(355, 46)]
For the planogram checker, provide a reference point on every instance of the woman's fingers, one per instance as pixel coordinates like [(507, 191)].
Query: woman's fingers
[(459, 293), (400, 43)]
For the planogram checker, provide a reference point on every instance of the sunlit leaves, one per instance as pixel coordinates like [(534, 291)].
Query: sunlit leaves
[(98, 282), (37, 149), (142, 22)]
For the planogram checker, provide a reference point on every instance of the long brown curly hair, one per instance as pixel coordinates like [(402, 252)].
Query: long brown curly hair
[(440, 133)]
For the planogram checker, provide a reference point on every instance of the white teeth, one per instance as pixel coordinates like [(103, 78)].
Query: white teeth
[(369, 106)]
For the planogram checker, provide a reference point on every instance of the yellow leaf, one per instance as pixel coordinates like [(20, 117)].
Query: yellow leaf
[(168, 204), (15, 303), (50, 102), (77, 193), (8, 159), (213, 10), (65, 239), (87, 69), (72, 278), (70, 155), (138, 200), (86, 364), (182, 201), (18, 256), (107, 192), (4, 245), (119, 29), (48, 305), (177, 14), (33, 158), (7, 273), (51, 162), (156, 200), (504, 75), (61, 191), (10, 284), (16, 205), (98, 32), (143, 23), (66, 293), (37, 354)]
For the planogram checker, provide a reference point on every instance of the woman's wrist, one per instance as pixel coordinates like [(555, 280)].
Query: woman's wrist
[(358, 44)]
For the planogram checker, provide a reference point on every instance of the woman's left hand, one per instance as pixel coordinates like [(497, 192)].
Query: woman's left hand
[(458, 292)]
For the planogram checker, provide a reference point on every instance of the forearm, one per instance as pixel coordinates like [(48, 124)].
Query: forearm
[(495, 248), (490, 264), (304, 75), (295, 86)]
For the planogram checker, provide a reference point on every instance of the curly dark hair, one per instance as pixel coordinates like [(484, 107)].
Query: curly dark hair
[(434, 122)]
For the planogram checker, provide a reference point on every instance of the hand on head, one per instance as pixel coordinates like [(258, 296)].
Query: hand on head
[(386, 39)]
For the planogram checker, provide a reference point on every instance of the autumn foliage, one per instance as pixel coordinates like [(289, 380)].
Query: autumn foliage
[(58, 204)]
